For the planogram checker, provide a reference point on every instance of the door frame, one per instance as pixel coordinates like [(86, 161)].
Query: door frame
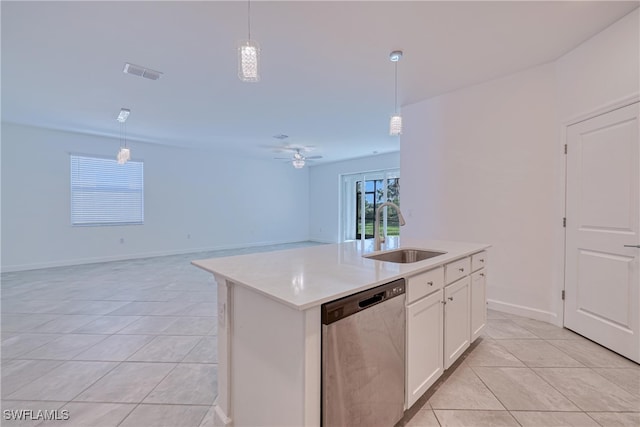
[(606, 108)]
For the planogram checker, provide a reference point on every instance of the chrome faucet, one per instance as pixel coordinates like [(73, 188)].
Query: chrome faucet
[(379, 240)]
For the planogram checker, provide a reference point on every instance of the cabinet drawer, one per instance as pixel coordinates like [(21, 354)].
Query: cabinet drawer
[(457, 269), (478, 260), (424, 283)]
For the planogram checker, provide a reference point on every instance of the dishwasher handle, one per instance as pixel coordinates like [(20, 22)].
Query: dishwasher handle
[(371, 301)]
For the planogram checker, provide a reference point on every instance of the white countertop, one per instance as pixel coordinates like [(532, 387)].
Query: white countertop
[(307, 277)]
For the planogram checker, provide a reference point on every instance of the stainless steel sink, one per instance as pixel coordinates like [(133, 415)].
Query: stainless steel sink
[(405, 256)]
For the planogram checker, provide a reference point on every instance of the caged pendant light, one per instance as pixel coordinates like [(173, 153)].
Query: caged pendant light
[(395, 124), (249, 55), (124, 154)]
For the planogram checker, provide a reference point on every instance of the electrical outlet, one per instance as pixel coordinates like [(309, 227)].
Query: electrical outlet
[(188, 235), (121, 240)]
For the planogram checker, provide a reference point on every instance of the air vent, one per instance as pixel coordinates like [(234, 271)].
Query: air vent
[(139, 71)]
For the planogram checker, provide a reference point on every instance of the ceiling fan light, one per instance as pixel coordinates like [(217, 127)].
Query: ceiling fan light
[(248, 61), (395, 125), (298, 163)]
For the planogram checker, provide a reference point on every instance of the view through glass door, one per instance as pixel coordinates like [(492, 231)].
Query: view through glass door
[(363, 193)]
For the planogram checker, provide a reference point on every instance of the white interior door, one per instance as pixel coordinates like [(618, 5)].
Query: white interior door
[(603, 218)]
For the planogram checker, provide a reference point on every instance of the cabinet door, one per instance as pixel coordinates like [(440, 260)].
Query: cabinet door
[(478, 303), (424, 345), (456, 320)]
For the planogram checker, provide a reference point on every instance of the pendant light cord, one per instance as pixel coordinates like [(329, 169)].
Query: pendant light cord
[(396, 88), (249, 17)]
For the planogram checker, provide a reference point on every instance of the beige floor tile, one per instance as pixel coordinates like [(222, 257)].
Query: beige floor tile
[(490, 353), (64, 382), (128, 383), (589, 390), (539, 353), (93, 415), (25, 322), (21, 343), (553, 419), (115, 348), (521, 389), (493, 314), (107, 325), (96, 307), (18, 373), (18, 417), (506, 329), (209, 419), (191, 326), (423, 418), (167, 348), (195, 384), (617, 419), (152, 325), (65, 347), (464, 390), (593, 355), (66, 323), (206, 351), (475, 418), (209, 309), (627, 378), (546, 330), (165, 416)]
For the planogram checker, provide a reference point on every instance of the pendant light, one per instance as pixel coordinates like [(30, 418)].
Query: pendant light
[(248, 55), (395, 124), (124, 154)]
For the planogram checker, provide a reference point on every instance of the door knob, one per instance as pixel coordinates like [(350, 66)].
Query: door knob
[(632, 246)]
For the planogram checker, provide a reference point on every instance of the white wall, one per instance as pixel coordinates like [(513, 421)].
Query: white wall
[(221, 201), (484, 163), (601, 71), (478, 165), (324, 194)]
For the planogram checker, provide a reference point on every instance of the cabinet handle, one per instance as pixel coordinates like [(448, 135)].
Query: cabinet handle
[(450, 298), (444, 302), (481, 260), (461, 269), (430, 283), (482, 274)]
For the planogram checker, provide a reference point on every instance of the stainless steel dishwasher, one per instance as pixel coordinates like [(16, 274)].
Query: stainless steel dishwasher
[(363, 358)]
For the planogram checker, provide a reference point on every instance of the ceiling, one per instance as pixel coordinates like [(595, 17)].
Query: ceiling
[(326, 76)]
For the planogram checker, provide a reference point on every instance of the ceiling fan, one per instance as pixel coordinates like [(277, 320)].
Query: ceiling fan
[(298, 160)]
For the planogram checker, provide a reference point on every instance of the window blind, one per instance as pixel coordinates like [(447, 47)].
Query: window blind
[(106, 193)]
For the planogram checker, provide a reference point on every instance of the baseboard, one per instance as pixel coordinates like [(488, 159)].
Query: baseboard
[(320, 240), (521, 310), (93, 260)]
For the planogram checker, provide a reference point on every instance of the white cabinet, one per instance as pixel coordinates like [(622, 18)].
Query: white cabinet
[(478, 303), (425, 283), (457, 269), (478, 260), (456, 320), (424, 345), (446, 310)]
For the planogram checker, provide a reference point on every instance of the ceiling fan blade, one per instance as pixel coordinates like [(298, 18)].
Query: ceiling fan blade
[(312, 157), (282, 158)]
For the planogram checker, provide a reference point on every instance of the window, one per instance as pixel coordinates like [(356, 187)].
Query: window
[(362, 195), (106, 193)]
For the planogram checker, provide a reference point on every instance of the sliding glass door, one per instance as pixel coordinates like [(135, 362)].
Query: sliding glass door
[(362, 194)]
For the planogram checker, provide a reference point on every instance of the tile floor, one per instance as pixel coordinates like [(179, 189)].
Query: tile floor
[(523, 372), (133, 343)]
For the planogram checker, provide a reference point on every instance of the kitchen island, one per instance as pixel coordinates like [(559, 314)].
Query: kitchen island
[(269, 323)]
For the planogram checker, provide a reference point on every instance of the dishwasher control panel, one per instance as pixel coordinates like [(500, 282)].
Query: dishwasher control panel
[(343, 307)]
